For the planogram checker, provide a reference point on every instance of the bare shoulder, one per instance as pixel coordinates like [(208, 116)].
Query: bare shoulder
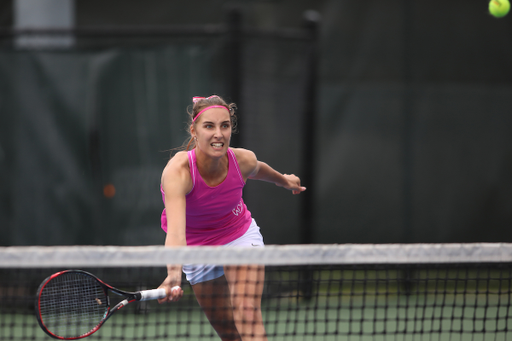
[(247, 161), (177, 171)]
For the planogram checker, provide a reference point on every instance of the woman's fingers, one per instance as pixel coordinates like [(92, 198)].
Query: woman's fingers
[(173, 294)]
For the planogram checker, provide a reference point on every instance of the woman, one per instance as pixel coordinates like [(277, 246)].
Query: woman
[(202, 192)]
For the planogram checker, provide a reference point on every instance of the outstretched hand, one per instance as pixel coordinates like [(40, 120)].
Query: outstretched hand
[(293, 184)]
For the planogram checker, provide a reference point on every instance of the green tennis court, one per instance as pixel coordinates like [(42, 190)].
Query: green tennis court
[(409, 318)]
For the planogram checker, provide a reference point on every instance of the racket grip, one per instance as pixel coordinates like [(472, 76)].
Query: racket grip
[(153, 294)]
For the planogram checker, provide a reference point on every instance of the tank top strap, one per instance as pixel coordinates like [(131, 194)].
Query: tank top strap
[(236, 167), (192, 165)]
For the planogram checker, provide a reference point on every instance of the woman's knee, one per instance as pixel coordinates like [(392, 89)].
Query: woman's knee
[(247, 309)]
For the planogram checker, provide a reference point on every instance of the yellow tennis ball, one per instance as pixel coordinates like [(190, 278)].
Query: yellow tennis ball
[(499, 8)]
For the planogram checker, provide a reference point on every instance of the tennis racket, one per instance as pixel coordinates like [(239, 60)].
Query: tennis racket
[(73, 304)]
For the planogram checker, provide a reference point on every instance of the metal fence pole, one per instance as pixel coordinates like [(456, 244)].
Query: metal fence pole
[(234, 65), (312, 19)]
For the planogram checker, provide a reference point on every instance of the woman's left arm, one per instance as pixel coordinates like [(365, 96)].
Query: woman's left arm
[(257, 170)]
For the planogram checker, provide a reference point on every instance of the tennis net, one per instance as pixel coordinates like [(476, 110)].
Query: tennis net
[(310, 292)]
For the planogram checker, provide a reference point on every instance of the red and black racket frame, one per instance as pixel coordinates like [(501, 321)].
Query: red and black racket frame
[(130, 297)]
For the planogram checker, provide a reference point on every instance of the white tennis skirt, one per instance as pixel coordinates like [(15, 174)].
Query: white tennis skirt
[(197, 273)]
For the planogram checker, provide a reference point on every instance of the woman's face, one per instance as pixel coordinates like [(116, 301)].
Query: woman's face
[(213, 131)]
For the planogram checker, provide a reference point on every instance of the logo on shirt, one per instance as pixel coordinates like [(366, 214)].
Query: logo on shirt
[(237, 210)]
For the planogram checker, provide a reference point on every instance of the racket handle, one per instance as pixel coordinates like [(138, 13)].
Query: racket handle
[(153, 294)]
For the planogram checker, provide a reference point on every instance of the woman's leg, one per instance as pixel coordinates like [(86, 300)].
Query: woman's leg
[(246, 286), (214, 298)]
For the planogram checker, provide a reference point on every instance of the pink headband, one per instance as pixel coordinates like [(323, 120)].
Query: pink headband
[(196, 99)]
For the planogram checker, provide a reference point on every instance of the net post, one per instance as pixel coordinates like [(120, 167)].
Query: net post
[(311, 25), (233, 64)]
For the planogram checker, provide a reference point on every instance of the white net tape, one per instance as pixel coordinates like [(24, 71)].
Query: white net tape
[(83, 256)]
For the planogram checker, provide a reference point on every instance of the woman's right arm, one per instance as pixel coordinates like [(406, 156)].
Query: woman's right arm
[(176, 183)]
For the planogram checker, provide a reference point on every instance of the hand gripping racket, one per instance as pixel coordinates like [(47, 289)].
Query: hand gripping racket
[(73, 304)]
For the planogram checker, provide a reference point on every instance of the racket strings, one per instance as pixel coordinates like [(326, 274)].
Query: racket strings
[(72, 305)]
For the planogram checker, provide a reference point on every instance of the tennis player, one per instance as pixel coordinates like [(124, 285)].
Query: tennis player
[(202, 191)]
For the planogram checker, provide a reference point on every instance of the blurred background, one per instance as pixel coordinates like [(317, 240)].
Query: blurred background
[(396, 114)]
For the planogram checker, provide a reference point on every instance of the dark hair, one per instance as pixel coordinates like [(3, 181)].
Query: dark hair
[(199, 105)]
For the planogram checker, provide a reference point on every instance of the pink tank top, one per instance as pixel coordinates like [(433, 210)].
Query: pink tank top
[(215, 215)]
